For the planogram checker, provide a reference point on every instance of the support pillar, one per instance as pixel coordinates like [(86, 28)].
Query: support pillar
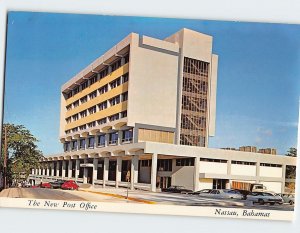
[(257, 172), (228, 185), (118, 171), (85, 173), (134, 170), (95, 170), (52, 169), (283, 178), (63, 172), (105, 171), (57, 168), (196, 174), (153, 172), (48, 169), (40, 171), (77, 169), (70, 168)]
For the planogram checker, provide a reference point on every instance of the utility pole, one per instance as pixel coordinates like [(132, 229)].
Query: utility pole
[(5, 158)]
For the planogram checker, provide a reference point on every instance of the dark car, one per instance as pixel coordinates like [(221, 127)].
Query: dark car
[(57, 184), (176, 189)]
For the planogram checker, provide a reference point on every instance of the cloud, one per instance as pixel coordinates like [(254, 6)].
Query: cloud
[(266, 132)]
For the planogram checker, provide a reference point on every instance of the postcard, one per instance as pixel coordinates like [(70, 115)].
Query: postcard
[(150, 115)]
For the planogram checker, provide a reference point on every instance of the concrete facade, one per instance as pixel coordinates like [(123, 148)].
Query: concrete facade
[(140, 116)]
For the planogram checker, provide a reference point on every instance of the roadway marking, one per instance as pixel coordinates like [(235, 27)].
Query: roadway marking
[(120, 196)]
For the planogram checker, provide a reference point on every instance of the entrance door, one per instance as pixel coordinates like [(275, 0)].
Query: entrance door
[(219, 183), (112, 170), (165, 182), (90, 175)]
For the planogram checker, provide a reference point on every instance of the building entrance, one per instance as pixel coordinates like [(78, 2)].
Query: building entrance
[(163, 182), (219, 183)]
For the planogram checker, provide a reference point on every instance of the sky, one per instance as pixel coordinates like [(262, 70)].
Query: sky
[(258, 73)]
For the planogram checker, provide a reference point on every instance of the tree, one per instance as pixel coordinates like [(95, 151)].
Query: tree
[(292, 152), (291, 170), (22, 151)]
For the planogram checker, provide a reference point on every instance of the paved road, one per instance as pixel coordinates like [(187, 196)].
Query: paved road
[(136, 196)]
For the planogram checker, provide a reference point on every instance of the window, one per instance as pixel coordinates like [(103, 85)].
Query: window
[(113, 138), (75, 117), (102, 121), (213, 160), (68, 120), (126, 58), (93, 79), (103, 73), (76, 104), (92, 124), (114, 117), (101, 140), (69, 107), (145, 163), (270, 165), (82, 144), (83, 99), (123, 114), (69, 95), (125, 77), (93, 95), (127, 135), (84, 85), (103, 89), (116, 65), (67, 131), (164, 165), (74, 145), (185, 162), (82, 127), (91, 142), (115, 83), (115, 100), (92, 110), (83, 114), (76, 90), (242, 162), (102, 105), (66, 146), (124, 96), (74, 129)]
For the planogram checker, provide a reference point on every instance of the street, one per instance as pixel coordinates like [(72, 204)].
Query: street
[(134, 196)]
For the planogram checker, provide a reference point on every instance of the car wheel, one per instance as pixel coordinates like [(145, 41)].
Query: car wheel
[(261, 201), (272, 203), (291, 203)]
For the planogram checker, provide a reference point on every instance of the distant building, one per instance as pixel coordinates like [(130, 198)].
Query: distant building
[(147, 107), (270, 151)]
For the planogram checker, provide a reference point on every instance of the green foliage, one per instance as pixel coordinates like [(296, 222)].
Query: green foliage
[(291, 170), (22, 151)]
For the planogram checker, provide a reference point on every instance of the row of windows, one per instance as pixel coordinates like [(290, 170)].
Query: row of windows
[(99, 141), (243, 162), (185, 162), (94, 78), (117, 82), (270, 165), (98, 107), (98, 122)]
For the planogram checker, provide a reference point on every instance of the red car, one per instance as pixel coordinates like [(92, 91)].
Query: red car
[(70, 184), (45, 185)]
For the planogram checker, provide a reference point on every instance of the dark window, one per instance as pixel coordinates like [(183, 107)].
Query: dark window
[(164, 164), (113, 138), (101, 140), (91, 142), (127, 135), (74, 145), (82, 144), (185, 162)]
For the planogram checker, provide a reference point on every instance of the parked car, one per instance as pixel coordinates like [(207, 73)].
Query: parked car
[(45, 185), (70, 184), (202, 191), (245, 193), (222, 194), (57, 184), (287, 197), (176, 189), (26, 185), (264, 197)]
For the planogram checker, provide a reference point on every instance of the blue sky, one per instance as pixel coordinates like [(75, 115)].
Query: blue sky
[(258, 74)]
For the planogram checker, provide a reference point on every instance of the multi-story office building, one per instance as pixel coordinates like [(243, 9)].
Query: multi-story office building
[(146, 109)]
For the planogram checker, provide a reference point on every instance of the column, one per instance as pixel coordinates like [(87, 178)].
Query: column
[(153, 172), (105, 170), (57, 168), (63, 169), (118, 171), (70, 168), (52, 169), (77, 169), (228, 173), (85, 173), (32, 171), (48, 169), (36, 172), (40, 171), (95, 170), (120, 133), (107, 139), (134, 170), (257, 171), (196, 174), (283, 178)]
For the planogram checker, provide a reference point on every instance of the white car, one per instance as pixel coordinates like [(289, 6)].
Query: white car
[(221, 193), (264, 197), (287, 197)]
